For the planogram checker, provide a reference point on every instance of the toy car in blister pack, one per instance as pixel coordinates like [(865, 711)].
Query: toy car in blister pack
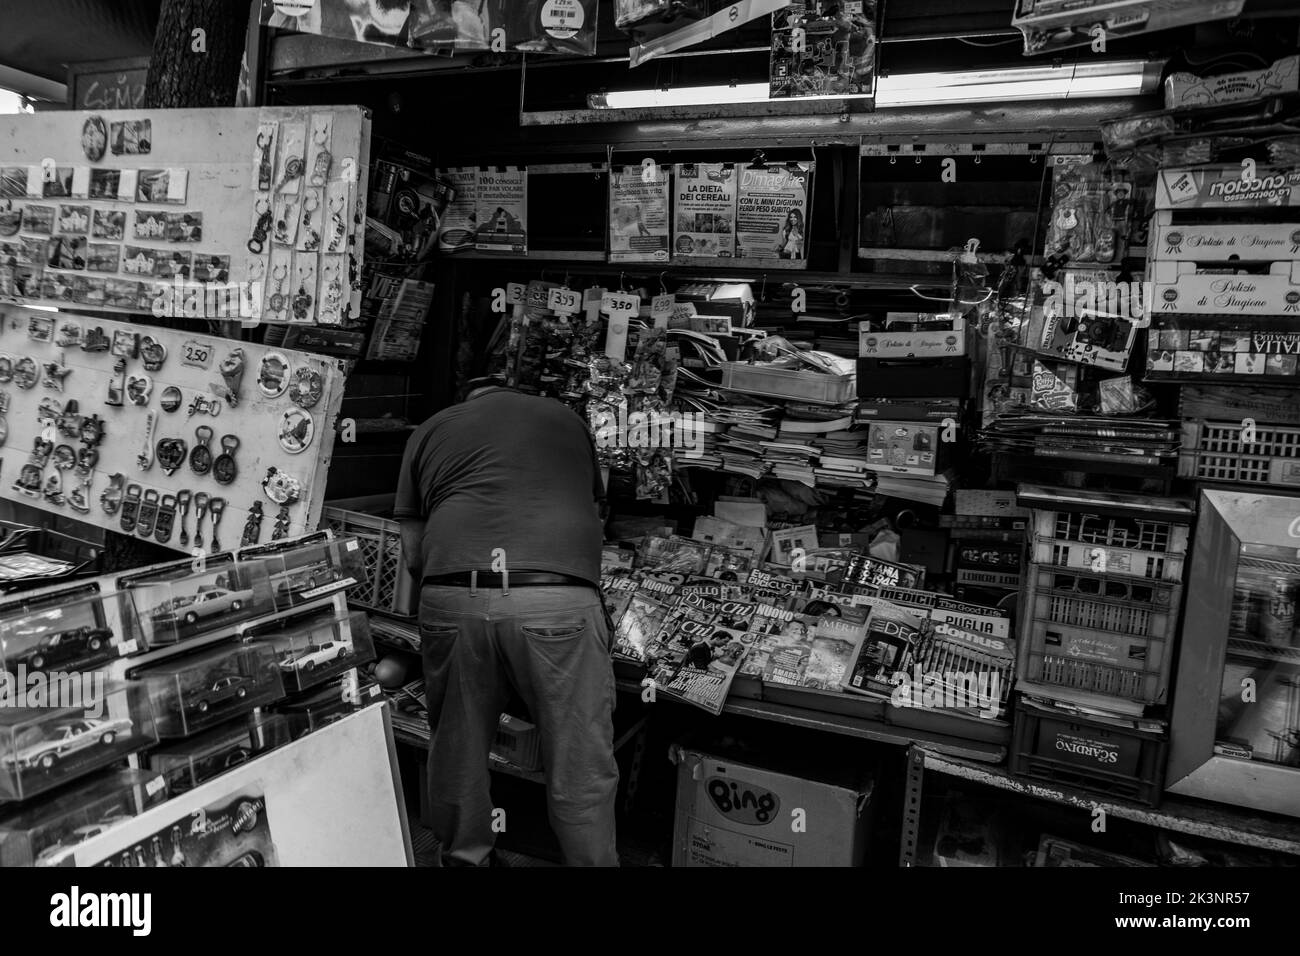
[(198, 691), (44, 833), (188, 763), (314, 647), (333, 701), (309, 573), (57, 731), (177, 608), (75, 636)]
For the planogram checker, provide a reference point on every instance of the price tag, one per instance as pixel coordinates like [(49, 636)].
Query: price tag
[(661, 309), (196, 354), (352, 544), (620, 304), (127, 647), (155, 785), (563, 301), (515, 292)]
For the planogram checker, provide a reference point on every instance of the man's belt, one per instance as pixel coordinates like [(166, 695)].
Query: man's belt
[(514, 579)]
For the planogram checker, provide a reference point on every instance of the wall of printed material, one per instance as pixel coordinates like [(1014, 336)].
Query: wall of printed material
[(186, 439), (248, 214)]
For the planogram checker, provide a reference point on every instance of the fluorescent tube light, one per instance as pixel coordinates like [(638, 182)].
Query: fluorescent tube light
[(1117, 78)]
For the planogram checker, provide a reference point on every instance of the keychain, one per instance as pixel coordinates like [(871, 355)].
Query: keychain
[(338, 225), (217, 507), (292, 173), (279, 274), (321, 169), (200, 512), (201, 455), (79, 498), (309, 236), (148, 513), (171, 454), (265, 173), (281, 528), (252, 308), (223, 469), (252, 525), (130, 507), (166, 519), (183, 506), (261, 227), (145, 459), (111, 498)]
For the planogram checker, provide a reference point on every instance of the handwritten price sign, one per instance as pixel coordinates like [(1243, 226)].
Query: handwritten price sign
[(623, 305), (563, 301)]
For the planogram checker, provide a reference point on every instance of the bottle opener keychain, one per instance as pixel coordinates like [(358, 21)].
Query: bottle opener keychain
[(148, 513), (279, 301), (201, 454), (261, 226), (232, 374), (200, 512), (130, 507), (166, 519), (252, 525), (224, 468), (216, 507), (265, 140), (171, 454), (183, 507), (111, 498), (144, 461), (320, 170)]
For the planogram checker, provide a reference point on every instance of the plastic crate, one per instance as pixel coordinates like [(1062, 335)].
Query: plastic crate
[(1099, 633), (1110, 544), (819, 387), (386, 584), (1088, 753), (1214, 451)]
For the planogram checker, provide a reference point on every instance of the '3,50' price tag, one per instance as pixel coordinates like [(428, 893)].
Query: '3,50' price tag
[(623, 305)]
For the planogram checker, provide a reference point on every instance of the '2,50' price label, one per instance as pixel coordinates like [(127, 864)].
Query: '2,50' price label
[(196, 354)]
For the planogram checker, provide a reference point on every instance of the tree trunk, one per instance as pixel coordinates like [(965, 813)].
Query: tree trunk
[(189, 69), (186, 70)]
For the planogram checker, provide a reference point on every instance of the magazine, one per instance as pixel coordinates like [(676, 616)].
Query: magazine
[(772, 630), (702, 673), (704, 210), (638, 215), (501, 222), (833, 644), (772, 211), (638, 627), (877, 572), (885, 650)]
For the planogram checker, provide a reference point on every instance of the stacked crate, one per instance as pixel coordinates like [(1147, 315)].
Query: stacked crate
[(1098, 618)]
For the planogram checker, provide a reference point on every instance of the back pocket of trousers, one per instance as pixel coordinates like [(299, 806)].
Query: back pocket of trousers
[(559, 631)]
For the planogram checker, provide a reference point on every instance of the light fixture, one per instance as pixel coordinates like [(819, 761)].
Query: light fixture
[(1076, 81)]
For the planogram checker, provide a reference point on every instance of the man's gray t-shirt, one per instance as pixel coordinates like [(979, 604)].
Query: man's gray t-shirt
[(504, 470)]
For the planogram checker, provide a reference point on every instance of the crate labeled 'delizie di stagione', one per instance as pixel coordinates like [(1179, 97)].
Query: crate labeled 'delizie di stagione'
[(1104, 533), (1099, 633)]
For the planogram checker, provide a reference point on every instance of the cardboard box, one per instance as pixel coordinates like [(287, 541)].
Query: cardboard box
[(738, 813), (1222, 242), (1050, 25), (732, 299), (913, 343), (1184, 90), (1178, 288), (1221, 187)]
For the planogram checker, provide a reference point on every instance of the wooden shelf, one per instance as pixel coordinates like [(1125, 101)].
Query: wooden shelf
[(1212, 821)]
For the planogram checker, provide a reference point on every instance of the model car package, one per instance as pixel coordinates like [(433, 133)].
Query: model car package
[(313, 647), (1086, 321), (52, 732), (187, 763), (308, 573), (43, 833), (70, 635), (182, 600), (198, 691), (823, 49), (1051, 25)]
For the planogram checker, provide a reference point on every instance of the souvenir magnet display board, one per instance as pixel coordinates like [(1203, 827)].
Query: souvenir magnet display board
[(186, 439), (247, 214), (532, 26)]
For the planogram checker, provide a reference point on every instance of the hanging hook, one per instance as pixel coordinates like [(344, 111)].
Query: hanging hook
[(622, 283), (762, 289), (663, 287)]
